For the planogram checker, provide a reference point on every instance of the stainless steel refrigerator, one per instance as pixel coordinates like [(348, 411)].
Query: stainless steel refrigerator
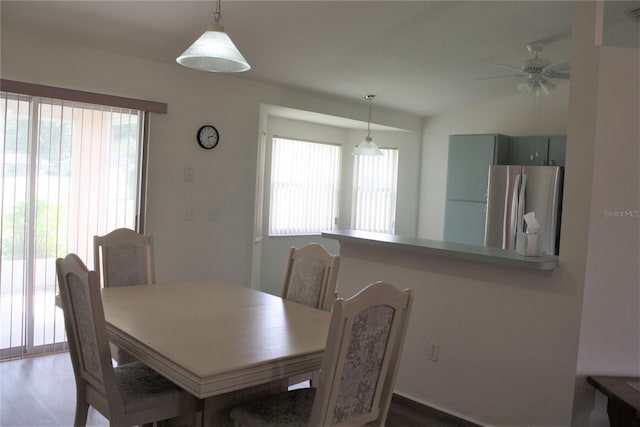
[(514, 190)]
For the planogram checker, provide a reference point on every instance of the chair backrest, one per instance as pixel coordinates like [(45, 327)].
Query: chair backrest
[(86, 331), (310, 276), (365, 339), (124, 257)]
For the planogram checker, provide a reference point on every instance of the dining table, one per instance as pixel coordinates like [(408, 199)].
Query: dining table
[(223, 343), (623, 398)]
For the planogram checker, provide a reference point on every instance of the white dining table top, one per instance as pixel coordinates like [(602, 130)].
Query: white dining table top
[(210, 337)]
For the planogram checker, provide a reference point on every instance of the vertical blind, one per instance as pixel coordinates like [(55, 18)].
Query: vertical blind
[(305, 182), (70, 171), (375, 187)]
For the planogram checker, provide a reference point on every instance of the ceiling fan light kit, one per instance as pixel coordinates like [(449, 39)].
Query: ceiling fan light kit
[(214, 51), (535, 86)]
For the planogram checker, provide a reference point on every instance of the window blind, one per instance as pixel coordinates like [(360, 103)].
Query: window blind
[(375, 181), (69, 171), (305, 181)]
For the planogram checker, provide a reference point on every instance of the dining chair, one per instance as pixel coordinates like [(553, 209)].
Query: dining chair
[(128, 395), (123, 257), (359, 368), (310, 276)]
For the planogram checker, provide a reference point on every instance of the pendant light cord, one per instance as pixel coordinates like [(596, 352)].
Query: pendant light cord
[(370, 99), (369, 121), (535, 125), (218, 13)]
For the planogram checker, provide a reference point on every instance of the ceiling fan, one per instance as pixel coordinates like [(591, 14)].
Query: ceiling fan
[(537, 72)]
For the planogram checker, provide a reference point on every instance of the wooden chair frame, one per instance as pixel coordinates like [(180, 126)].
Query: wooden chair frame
[(340, 334), (101, 391), (101, 262), (379, 310)]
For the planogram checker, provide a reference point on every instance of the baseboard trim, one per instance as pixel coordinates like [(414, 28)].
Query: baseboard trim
[(432, 411)]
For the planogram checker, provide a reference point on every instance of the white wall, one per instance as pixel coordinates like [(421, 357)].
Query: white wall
[(507, 336), (610, 328), (224, 178), (511, 116)]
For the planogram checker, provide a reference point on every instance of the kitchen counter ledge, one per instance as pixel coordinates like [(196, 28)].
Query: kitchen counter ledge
[(452, 250)]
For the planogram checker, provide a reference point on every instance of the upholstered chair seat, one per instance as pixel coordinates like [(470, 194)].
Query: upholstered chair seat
[(143, 389), (291, 409)]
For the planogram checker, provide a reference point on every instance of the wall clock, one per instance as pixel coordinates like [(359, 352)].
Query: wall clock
[(208, 137)]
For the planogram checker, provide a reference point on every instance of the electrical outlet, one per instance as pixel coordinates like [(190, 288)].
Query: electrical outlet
[(434, 351), (213, 214)]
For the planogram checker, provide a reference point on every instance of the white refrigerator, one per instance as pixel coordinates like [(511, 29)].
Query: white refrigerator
[(514, 190)]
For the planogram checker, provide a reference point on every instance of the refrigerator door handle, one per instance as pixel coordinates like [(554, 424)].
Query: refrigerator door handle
[(521, 199), (510, 223)]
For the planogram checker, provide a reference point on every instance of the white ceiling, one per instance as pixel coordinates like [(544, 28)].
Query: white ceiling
[(423, 57)]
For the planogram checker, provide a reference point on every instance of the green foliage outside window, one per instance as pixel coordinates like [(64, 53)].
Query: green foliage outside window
[(50, 236)]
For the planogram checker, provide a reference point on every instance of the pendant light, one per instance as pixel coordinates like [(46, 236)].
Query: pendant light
[(214, 51), (367, 147)]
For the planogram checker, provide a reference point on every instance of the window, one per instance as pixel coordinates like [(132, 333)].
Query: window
[(375, 188), (305, 182), (69, 171)]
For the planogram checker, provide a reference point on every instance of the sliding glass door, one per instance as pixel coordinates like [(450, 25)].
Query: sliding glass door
[(69, 171)]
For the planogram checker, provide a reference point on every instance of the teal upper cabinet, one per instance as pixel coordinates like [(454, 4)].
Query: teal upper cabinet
[(538, 150), (529, 150), (469, 160), (557, 150)]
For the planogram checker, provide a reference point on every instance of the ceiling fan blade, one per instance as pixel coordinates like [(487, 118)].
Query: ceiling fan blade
[(559, 66), (503, 76), (563, 76), (511, 67), (495, 77)]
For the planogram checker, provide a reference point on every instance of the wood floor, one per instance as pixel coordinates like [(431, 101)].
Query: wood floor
[(41, 392)]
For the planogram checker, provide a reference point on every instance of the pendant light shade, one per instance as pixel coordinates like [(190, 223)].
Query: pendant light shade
[(367, 147), (214, 51)]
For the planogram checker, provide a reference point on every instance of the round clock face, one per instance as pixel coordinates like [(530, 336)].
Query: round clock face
[(208, 136)]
